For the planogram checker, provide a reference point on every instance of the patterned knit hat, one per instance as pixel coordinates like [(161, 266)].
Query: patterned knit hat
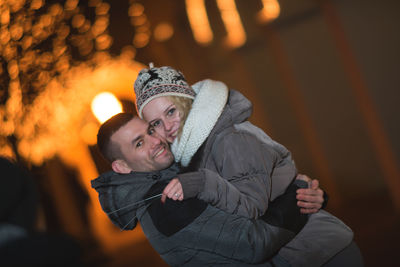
[(155, 82)]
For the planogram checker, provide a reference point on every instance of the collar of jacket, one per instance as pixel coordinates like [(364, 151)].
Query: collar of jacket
[(117, 193)]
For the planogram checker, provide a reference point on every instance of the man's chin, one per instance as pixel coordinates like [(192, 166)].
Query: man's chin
[(167, 163)]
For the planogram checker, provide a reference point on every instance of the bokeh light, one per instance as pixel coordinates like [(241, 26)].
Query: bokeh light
[(270, 11), (52, 55), (163, 32), (105, 105), (199, 22)]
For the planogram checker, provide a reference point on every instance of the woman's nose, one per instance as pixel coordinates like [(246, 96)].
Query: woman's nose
[(167, 125)]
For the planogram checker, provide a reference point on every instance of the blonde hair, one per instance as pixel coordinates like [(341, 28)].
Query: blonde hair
[(184, 105)]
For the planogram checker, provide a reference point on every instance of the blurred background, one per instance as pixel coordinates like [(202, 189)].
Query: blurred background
[(323, 76)]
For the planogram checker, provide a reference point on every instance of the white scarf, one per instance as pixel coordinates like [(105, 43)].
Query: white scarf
[(207, 106)]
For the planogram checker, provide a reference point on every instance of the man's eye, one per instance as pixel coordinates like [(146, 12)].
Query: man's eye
[(139, 144), (151, 131)]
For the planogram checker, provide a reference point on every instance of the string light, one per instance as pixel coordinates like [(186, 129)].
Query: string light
[(236, 36), (199, 23), (46, 89), (270, 11)]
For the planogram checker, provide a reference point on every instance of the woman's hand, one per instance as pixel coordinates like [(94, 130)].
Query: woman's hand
[(173, 190), (311, 198)]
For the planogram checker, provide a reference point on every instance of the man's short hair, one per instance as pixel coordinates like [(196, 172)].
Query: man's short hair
[(109, 149)]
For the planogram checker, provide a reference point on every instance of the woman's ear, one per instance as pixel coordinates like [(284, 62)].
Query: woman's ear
[(120, 166)]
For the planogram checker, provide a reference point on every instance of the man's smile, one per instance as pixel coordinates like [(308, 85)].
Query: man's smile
[(160, 151)]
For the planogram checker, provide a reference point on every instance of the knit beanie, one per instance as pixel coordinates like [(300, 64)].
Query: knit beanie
[(162, 81)]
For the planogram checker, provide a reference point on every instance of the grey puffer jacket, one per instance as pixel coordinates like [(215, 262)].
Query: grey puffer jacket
[(191, 232), (239, 169)]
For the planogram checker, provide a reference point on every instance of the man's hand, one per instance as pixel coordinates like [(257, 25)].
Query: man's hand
[(310, 200), (283, 211), (173, 190)]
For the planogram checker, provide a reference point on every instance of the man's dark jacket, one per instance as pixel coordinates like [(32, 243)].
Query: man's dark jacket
[(191, 232)]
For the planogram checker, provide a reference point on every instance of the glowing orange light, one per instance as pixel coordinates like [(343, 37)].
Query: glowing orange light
[(139, 20), (270, 11), (233, 24), (78, 20), (5, 17), (102, 9), (4, 37), (141, 39), (93, 3), (100, 26), (16, 5), (13, 69), (56, 10), (135, 10), (71, 4), (89, 133), (103, 41), (105, 105), (198, 20), (46, 20), (36, 4), (54, 120), (63, 31), (26, 42), (163, 32), (128, 52), (16, 31)]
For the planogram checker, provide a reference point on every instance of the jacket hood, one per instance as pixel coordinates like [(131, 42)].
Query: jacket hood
[(122, 196), (237, 110)]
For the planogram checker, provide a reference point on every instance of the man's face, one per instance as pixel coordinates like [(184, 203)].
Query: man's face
[(142, 148)]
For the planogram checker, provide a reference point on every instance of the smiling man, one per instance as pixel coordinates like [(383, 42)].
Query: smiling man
[(191, 232), (136, 146)]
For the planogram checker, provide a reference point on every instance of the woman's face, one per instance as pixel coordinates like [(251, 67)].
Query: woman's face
[(164, 116)]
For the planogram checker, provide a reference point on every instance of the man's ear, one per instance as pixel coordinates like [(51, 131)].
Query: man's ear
[(120, 166)]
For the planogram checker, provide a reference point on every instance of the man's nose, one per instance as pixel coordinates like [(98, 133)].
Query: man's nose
[(154, 140)]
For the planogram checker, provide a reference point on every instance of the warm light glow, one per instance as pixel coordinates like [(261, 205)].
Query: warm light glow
[(198, 20), (139, 20), (71, 4), (105, 105), (46, 89), (4, 16), (104, 41), (163, 32), (36, 4), (89, 133), (102, 9), (141, 39), (78, 20), (128, 52), (135, 10), (100, 26), (270, 11), (233, 24)]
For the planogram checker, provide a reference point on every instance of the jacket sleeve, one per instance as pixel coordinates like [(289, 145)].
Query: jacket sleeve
[(241, 183)]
